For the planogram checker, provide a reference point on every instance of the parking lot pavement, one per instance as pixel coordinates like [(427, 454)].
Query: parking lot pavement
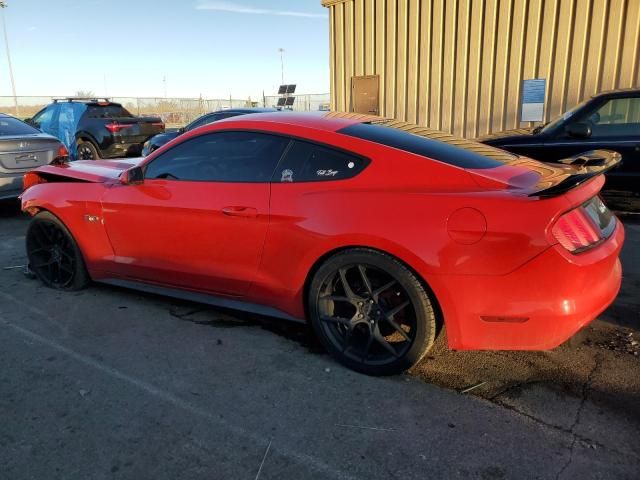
[(109, 383)]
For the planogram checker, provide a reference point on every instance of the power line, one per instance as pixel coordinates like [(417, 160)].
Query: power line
[(4, 5)]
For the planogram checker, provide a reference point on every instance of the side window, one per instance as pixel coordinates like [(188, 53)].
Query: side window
[(308, 162), (221, 157), (617, 117), (43, 118)]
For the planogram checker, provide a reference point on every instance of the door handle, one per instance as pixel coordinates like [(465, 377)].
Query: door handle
[(240, 211)]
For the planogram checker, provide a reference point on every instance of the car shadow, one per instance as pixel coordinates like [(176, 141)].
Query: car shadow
[(9, 208)]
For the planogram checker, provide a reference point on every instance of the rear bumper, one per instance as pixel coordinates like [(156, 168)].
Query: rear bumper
[(538, 306), (10, 185), (117, 150)]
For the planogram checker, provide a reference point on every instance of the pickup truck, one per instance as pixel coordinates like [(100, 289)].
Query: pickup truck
[(93, 128)]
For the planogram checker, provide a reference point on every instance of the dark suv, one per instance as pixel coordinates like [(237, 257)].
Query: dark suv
[(609, 120), (94, 128)]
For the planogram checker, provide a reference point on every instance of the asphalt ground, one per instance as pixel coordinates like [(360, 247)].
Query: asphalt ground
[(110, 383)]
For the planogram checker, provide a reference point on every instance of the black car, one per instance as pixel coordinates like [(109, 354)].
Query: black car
[(609, 120), (94, 128), (159, 140)]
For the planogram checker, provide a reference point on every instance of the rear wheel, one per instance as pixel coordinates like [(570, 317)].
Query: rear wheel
[(86, 151), (371, 312), (54, 255)]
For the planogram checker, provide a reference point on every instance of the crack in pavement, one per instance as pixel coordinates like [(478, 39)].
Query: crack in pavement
[(553, 426), (586, 387), (575, 437)]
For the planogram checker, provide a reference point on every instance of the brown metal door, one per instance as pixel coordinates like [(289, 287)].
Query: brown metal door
[(364, 96)]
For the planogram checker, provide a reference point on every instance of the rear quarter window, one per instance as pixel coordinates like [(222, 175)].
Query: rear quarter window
[(429, 143), (309, 162)]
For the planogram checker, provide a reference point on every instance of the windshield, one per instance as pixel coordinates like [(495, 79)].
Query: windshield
[(12, 126), (566, 116)]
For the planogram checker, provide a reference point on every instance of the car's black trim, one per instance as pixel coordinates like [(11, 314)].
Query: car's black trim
[(216, 301)]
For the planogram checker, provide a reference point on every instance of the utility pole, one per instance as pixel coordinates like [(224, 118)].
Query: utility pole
[(281, 50), (4, 5)]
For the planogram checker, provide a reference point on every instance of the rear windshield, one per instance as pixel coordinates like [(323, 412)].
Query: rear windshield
[(12, 126), (430, 143), (107, 111)]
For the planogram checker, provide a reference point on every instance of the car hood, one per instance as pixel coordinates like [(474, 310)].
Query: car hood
[(98, 171), (506, 134)]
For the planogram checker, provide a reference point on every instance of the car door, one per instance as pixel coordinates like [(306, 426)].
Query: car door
[(199, 219), (46, 119), (614, 125)]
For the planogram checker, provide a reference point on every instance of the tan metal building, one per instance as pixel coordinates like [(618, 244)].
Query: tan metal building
[(459, 65)]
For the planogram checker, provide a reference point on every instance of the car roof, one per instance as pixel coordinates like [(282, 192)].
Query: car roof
[(618, 92), (328, 121), (246, 110), (337, 121)]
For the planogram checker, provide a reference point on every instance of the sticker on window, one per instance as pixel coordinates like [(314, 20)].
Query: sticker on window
[(327, 173), (287, 176)]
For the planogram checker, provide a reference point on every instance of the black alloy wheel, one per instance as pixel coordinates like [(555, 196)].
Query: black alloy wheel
[(371, 312), (86, 151), (54, 256)]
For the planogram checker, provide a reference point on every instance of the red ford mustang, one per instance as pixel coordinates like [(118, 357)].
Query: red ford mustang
[(375, 231)]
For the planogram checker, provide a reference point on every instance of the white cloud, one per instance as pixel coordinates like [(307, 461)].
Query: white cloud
[(32, 28), (223, 6)]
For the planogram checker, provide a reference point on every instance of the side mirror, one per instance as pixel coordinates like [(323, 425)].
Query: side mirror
[(579, 130), (181, 130), (133, 176), (28, 120)]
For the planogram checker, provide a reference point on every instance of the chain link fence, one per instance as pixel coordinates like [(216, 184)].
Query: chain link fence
[(175, 112), (302, 103)]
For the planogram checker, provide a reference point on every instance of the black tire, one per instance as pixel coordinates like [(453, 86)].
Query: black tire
[(383, 323), (54, 256), (85, 150)]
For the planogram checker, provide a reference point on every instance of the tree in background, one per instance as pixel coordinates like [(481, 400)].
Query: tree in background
[(85, 94)]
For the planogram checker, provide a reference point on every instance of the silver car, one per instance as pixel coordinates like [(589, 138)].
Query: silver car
[(23, 147)]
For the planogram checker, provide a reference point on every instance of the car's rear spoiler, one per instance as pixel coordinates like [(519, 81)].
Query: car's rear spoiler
[(587, 165)]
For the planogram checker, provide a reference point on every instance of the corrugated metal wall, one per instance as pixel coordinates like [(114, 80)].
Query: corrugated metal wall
[(458, 65)]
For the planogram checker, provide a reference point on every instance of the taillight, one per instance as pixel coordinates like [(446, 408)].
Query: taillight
[(576, 231), (30, 179), (116, 127), (62, 155), (62, 151)]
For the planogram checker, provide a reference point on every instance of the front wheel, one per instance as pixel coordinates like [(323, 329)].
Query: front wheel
[(54, 255), (371, 312)]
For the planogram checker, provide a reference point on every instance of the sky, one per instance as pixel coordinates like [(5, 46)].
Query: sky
[(202, 47)]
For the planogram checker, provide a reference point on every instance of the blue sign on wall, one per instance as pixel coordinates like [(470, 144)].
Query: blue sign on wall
[(533, 92)]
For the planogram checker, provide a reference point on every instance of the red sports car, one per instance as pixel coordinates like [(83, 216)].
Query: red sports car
[(375, 231)]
